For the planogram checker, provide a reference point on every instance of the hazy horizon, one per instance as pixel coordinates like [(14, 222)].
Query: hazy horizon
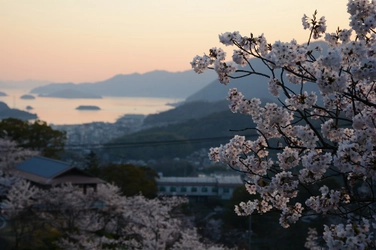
[(99, 80), (90, 41)]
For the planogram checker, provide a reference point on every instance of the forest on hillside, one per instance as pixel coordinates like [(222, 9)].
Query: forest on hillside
[(180, 138)]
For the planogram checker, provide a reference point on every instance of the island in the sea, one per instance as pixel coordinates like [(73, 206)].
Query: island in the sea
[(87, 107), (27, 97), (3, 94)]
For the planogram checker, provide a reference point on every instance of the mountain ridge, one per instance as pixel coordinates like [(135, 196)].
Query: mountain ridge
[(158, 83)]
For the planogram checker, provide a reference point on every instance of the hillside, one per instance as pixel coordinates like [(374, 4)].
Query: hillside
[(185, 112), (6, 112), (179, 140), (213, 92)]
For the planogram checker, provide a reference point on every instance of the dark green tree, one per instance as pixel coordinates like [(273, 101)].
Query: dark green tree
[(230, 218), (92, 164), (35, 135), (132, 180)]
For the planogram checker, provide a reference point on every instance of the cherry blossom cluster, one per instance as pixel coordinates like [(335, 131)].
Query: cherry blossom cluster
[(189, 240), (19, 197), (289, 158), (310, 137), (247, 208), (11, 154), (318, 27), (103, 219), (290, 215), (274, 86), (215, 59), (315, 164), (329, 200), (284, 54), (362, 16), (96, 219), (276, 194), (353, 235), (302, 101), (334, 133), (240, 104), (340, 36), (312, 240)]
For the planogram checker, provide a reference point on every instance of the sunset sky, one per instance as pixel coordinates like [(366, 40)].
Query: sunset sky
[(93, 40)]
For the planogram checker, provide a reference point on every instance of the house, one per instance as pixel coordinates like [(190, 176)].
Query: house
[(46, 172), (200, 188)]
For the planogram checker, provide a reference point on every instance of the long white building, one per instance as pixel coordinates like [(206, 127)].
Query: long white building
[(199, 188)]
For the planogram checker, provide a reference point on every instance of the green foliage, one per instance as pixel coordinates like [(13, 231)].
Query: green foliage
[(230, 218), (215, 125), (259, 228), (131, 180), (92, 164), (45, 238), (35, 135), (148, 145), (25, 231), (179, 140)]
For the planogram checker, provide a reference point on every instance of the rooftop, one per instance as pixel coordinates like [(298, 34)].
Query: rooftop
[(48, 171), (44, 167)]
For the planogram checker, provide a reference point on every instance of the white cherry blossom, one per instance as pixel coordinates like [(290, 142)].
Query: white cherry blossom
[(304, 139)]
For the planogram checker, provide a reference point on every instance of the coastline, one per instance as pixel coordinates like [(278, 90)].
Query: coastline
[(60, 111)]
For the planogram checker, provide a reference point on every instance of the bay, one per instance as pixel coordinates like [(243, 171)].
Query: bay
[(61, 111)]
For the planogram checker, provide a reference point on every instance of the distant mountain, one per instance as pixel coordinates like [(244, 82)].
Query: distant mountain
[(52, 88), (71, 94), (152, 84), (6, 112), (3, 94), (249, 86)]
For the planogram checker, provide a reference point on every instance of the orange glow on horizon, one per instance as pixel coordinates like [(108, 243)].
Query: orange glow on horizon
[(88, 41)]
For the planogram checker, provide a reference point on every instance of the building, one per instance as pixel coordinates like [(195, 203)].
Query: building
[(46, 172), (199, 188)]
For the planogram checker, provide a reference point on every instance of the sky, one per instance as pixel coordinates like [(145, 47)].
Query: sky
[(93, 40)]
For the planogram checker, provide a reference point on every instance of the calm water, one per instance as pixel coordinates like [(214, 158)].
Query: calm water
[(60, 111)]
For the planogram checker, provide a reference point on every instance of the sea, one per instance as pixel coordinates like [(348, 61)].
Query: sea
[(61, 111)]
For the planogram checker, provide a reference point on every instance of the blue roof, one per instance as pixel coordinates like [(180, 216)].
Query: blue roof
[(42, 166)]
